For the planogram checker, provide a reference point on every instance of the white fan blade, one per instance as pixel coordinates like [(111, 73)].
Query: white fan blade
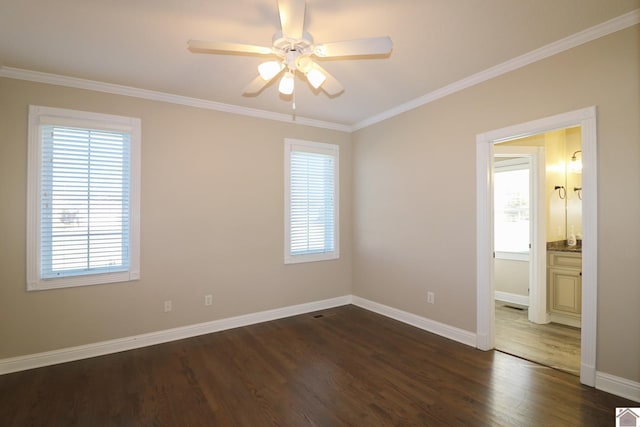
[(258, 84), (331, 85), (292, 17), (370, 46), (205, 46), (255, 86)]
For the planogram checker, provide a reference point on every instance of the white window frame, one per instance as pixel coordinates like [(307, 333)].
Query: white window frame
[(40, 116), (311, 147)]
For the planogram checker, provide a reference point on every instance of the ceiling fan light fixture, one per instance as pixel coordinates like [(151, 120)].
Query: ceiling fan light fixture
[(316, 78), (286, 84), (270, 69), (295, 49)]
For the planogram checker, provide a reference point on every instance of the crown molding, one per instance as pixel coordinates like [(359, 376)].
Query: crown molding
[(611, 26), (74, 82), (608, 27)]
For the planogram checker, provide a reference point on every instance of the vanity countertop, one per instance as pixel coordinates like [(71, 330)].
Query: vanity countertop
[(561, 246)]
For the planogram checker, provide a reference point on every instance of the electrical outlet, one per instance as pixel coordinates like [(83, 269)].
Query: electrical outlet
[(208, 299), (431, 297), (167, 306)]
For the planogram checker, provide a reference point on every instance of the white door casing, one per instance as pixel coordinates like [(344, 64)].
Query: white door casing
[(586, 118)]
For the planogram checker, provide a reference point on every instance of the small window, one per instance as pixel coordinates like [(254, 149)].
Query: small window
[(83, 198), (311, 201), (512, 206)]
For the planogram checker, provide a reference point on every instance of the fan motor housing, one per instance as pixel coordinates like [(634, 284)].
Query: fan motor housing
[(286, 44)]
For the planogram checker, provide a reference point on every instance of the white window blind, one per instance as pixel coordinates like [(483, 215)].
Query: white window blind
[(83, 198), (311, 201), (85, 201)]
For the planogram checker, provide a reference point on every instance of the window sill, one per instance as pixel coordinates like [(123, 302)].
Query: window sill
[(515, 256), (298, 259), (87, 280)]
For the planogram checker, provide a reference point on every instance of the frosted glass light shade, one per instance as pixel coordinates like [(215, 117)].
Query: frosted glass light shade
[(575, 166), (270, 69), (286, 84), (316, 78)]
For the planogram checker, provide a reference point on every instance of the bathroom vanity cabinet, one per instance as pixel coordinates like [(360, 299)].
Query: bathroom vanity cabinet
[(564, 282)]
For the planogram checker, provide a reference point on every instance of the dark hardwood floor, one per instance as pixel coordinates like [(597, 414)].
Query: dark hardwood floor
[(552, 344), (341, 367)]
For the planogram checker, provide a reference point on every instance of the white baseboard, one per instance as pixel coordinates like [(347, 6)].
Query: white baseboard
[(587, 374), (70, 354), (483, 343), (611, 384), (447, 331), (21, 363), (565, 320), (619, 386), (510, 298)]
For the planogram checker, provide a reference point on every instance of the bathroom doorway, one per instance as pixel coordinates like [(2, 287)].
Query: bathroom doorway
[(533, 210), (485, 332)]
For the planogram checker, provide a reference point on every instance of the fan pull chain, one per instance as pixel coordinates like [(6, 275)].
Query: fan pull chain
[(294, 98)]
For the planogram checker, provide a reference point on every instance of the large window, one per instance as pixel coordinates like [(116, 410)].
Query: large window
[(512, 207), (311, 201), (83, 202)]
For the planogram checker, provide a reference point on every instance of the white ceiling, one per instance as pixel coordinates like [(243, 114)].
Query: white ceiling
[(143, 44)]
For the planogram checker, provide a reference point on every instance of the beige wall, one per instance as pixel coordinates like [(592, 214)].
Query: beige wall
[(415, 199), (212, 208), (511, 276), (212, 223)]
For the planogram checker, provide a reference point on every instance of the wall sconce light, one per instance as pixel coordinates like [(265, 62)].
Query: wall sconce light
[(575, 164), (562, 192)]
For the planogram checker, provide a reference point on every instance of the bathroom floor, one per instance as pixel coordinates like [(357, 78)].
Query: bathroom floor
[(552, 344)]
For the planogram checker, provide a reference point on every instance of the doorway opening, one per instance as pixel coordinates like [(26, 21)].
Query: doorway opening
[(586, 120), (538, 292)]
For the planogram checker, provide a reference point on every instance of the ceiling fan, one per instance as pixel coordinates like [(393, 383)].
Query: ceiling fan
[(295, 49)]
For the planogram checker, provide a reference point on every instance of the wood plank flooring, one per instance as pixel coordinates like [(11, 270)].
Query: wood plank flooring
[(551, 344), (341, 367)]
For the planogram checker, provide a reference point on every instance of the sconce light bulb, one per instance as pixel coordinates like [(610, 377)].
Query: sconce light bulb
[(575, 164)]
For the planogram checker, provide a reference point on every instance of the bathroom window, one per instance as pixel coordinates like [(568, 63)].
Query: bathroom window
[(512, 186)]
